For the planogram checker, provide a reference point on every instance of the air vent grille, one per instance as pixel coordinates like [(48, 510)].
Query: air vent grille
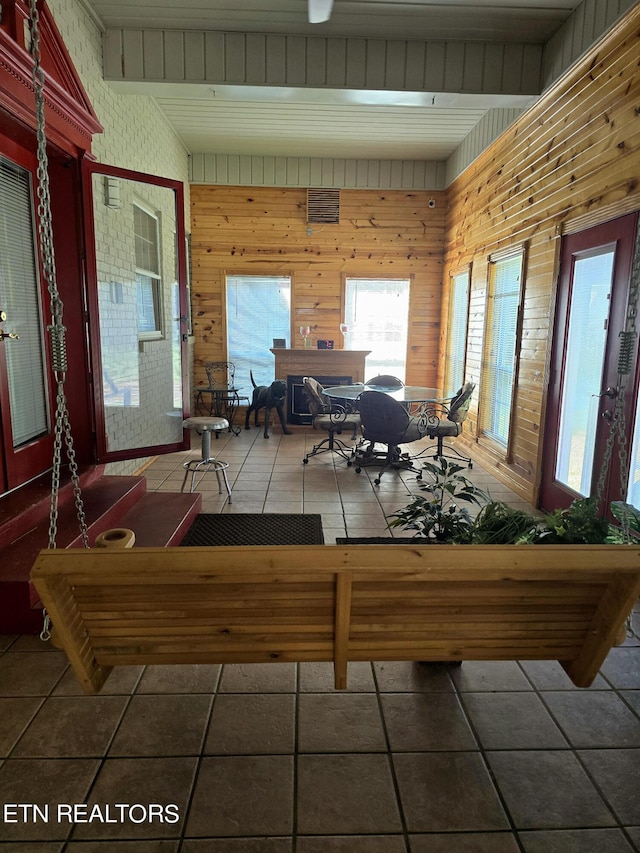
[(323, 205)]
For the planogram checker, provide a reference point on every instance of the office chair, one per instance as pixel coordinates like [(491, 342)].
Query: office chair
[(450, 424), (386, 421)]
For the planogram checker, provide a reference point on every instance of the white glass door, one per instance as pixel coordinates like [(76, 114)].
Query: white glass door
[(138, 295), (593, 291)]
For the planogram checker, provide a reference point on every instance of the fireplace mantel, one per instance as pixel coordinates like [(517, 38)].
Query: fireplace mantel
[(320, 362)]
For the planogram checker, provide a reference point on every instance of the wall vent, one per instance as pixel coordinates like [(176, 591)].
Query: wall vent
[(323, 205)]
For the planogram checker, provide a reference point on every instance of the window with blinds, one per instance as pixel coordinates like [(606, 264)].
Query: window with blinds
[(147, 252), (258, 310), (376, 313), (20, 299), (458, 320), (498, 366)]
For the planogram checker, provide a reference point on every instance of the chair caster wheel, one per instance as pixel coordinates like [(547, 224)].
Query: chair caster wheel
[(418, 476), (470, 465), (377, 481), (305, 461), (349, 463), (358, 470)]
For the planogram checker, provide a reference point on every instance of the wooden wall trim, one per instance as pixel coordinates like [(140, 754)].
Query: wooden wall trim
[(391, 234), (572, 160)]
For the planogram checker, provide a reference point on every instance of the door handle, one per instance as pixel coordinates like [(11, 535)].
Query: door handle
[(9, 335), (611, 392), (607, 415)]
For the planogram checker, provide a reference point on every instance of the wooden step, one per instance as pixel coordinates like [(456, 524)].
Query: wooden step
[(23, 508), (158, 519)]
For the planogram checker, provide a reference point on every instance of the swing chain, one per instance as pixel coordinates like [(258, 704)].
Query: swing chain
[(62, 428), (45, 634), (617, 424)]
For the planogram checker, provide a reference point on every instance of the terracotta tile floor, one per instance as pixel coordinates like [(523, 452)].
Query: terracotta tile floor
[(495, 757)]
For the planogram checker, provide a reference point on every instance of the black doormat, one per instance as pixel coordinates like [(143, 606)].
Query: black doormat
[(255, 529), (378, 540)]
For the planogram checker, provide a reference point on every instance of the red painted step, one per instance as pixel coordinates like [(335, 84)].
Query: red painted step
[(157, 518)]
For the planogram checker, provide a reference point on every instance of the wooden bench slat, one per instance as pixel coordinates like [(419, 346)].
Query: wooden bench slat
[(337, 603)]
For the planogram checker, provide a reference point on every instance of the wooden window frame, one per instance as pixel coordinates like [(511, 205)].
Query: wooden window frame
[(465, 270), (505, 452)]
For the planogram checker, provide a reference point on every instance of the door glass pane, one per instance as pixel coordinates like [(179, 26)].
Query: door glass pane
[(258, 310), (141, 377), (584, 362), (19, 298), (376, 313)]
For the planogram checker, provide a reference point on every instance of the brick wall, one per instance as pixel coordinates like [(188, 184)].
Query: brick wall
[(136, 136)]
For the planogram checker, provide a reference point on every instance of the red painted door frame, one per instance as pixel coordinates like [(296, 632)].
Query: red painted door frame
[(619, 234)]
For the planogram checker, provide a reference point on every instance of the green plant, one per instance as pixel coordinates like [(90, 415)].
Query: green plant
[(438, 516), (629, 519), (497, 523), (578, 524)]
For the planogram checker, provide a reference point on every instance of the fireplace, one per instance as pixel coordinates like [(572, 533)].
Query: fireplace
[(297, 406), (328, 366)]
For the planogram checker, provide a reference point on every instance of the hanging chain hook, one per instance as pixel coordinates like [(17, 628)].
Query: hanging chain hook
[(62, 428)]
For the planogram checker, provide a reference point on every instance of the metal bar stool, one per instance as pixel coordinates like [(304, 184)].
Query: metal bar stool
[(204, 427)]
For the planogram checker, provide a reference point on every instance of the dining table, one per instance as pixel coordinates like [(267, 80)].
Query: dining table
[(419, 400), (412, 396)]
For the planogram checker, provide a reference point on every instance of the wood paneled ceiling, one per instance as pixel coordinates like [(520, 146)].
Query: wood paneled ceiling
[(332, 123)]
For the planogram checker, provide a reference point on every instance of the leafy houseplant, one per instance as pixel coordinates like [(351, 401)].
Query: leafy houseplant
[(578, 524), (497, 523), (438, 516)]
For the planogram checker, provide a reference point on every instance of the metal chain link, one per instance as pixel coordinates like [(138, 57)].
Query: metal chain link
[(617, 429), (62, 428)]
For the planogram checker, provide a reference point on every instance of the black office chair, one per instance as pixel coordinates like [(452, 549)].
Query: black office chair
[(449, 424), (386, 421), (332, 418)]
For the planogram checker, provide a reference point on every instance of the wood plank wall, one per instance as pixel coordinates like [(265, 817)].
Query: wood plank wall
[(263, 231), (571, 161)]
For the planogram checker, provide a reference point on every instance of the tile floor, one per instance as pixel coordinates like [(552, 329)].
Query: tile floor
[(489, 757)]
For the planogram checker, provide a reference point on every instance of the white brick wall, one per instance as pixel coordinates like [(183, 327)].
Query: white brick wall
[(136, 136)]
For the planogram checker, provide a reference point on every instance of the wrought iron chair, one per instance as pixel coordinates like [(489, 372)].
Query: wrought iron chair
[(386, 421), (449, 424), (331, 417), (224, 398)]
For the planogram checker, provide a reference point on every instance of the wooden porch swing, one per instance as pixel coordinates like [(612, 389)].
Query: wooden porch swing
[(198, 605)]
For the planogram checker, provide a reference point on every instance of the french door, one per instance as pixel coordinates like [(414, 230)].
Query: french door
[(25, 396), (593, 293)]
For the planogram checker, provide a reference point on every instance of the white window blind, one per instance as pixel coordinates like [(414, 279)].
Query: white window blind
[(19, 294), (505, 280), (147, 254), (377, 314), (455, 356), (258, 310)]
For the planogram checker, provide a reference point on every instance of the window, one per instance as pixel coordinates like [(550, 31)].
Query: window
[(456, 352), (500, 348), (147, 246), (19, 294), (376, 312), (258, 310)]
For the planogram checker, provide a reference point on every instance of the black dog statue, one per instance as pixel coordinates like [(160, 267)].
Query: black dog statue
[(268, 397)]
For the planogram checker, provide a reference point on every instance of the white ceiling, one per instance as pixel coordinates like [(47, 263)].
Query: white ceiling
[(329, 123)]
